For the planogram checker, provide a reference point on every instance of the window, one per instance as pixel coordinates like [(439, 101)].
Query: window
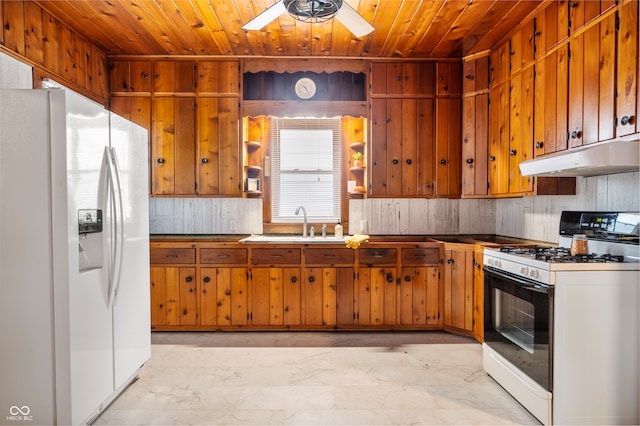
[(305, 169)]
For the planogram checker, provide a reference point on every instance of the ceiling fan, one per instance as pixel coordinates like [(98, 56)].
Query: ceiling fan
[(314, 11)]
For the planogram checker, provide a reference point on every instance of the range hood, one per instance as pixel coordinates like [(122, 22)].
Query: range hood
[(617, 156)]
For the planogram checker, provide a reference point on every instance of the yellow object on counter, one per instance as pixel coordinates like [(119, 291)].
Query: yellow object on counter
[(355, 240)]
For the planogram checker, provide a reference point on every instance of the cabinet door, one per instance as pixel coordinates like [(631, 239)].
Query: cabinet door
[(449, 78), (218, 147), (551, 103), (475, 145), (448, 147), (377, 296), (520, 129), (174, 77), (328, 296), (627, 70), (221, 77), (173, 147), (419, 296), (158, 295), (521, 47), (499, 140), (216, 298), (275, 296), (458, 289), (478, 293)]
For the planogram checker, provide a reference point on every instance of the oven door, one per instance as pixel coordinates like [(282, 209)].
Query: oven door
[(518, 322)]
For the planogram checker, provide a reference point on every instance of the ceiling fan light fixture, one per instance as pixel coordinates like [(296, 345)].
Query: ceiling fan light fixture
[(313, 11)]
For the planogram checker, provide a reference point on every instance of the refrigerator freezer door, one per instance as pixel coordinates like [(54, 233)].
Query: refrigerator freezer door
[(131, 311), (26, 262), (90, 322)]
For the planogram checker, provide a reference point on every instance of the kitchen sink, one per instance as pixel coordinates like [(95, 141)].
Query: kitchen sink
[(292, 239)]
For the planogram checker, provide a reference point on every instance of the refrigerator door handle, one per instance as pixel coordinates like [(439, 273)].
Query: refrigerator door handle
[(120, 220), (114, 228)]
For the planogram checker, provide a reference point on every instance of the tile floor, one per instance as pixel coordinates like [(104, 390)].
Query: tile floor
[(314, 378)]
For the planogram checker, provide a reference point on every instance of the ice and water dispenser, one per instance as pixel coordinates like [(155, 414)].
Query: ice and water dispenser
[(90, 239)]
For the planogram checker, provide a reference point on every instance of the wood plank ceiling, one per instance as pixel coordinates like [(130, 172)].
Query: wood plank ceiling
[(403, 28)]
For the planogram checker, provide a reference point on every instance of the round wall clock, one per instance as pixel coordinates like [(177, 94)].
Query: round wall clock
[(305, 88)]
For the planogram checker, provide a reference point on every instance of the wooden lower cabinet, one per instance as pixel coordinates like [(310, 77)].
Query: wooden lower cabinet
[(223, 296), (206, 286), (275, 296), (328, 296), (173, 296), (419, 296), (377, 296), (458, 287)]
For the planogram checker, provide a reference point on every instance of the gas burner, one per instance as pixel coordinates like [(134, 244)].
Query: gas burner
[(560, 255)]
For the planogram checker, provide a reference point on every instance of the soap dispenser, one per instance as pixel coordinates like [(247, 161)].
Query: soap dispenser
[(338, 230)]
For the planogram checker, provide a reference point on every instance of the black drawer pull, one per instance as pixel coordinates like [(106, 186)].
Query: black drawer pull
[(276, 256), (625, 120)]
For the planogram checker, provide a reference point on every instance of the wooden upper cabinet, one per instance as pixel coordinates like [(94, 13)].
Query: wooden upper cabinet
[(448, 147), (476, 75), (218, 158), (173, 146), (627, 70), (475, 144), (402, 78), (582, 12), (499, 64), (522, 47), (401, 148), (448, 75), (520, 129), (174, 77), (130, 76), (499, 140), (220, 77)]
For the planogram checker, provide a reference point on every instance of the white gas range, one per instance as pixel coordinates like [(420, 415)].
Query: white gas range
[(562, 332)]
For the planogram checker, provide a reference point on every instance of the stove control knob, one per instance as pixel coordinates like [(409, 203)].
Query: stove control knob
[(534, 273), (524, 270), (498, 264)]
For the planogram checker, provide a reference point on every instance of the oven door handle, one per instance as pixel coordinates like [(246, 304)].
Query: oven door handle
[(521, 281)]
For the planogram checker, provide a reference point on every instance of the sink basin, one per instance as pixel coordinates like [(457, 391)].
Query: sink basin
[(292, 239)]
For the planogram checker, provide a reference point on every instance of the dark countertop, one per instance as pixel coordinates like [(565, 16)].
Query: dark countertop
[(482, 239)]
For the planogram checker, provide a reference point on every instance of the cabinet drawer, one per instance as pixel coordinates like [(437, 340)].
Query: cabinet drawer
[(426, 256), (329, 256), (378, 256), (173, 255), (275, 256), (220, 255)]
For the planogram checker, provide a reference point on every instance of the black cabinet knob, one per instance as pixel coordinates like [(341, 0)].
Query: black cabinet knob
[(574, 135), (188, 279), (395, 161), (409, 161), (204, 160), (398, 77), (512, 152), (206, 279), (450, 261), (294, 279), (443, 161), (160, 160), (389, 278), (539, 144), (469, 160), (492, 158), (407, 278), (312, 279), (625, 120)]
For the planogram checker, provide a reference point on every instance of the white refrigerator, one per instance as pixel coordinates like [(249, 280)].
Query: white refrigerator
[(74, 256)]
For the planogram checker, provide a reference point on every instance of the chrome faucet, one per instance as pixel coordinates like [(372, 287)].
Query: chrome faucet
[(304, 226)]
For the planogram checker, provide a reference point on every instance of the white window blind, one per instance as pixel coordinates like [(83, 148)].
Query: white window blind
[(305, 169)]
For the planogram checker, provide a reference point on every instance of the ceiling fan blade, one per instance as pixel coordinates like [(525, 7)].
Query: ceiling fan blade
[(265, 17), (355, 23)]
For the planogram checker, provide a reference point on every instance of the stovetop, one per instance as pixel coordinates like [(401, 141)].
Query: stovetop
[(561, 255)]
